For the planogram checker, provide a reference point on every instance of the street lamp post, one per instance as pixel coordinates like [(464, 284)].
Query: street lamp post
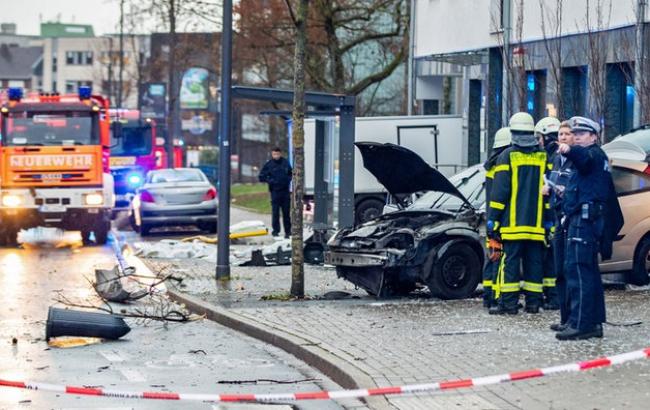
[(223, 244)]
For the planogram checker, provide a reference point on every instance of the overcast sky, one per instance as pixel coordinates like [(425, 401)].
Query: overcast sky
[(103, 15)]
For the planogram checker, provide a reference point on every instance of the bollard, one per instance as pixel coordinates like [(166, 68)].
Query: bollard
[(63, 322)]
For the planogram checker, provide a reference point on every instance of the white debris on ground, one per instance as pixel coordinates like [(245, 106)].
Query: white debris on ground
[(175, 249), (49, 237)]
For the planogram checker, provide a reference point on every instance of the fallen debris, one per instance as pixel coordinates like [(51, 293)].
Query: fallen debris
[(115, 287), (461, 332), (64, 322), (245, 229), (267, 381), (49, 237), (70, 342)]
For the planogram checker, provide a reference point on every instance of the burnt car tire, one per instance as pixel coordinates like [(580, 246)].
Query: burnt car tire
[(367, 209), (640, 274), (455, 274)]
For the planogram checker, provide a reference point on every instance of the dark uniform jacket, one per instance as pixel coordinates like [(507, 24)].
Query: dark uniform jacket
[(516, 200), (592, 184), (277, 173), (559, 175)]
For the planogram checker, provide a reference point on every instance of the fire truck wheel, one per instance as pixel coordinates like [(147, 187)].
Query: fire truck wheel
[(101, 232)]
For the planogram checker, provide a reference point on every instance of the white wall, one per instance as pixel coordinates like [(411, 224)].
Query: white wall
[(448, 26)]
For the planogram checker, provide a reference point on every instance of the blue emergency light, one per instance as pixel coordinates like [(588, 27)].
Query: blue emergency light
[(15, 93), (134, 180), (85, 92)]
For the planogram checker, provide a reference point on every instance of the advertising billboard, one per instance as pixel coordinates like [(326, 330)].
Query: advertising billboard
[(152, 100), (194, 89)]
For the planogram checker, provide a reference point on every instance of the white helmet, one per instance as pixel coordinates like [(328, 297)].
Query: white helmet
[(502, 138), (522, 122), (547, 125)]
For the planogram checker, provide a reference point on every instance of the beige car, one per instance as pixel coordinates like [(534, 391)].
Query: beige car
[(629, 155)]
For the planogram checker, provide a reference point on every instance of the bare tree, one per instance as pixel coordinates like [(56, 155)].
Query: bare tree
[(298, 139), (551, 24), (596, 21)]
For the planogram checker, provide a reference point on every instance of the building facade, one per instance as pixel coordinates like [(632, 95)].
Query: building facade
[(489, 58)]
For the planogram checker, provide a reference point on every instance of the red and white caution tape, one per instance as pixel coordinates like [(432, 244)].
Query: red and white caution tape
[(341, 394)]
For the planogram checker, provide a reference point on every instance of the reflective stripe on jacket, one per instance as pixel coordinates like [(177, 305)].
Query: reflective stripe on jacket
[(516, 196)]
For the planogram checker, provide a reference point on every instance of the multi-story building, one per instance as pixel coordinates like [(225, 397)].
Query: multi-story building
[(564, 58), (73, 56)]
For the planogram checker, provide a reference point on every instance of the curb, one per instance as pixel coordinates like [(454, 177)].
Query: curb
[(337, 369)]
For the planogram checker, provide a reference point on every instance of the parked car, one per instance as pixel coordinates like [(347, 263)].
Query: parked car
[(434, 241), (630, 158), (175, 197)]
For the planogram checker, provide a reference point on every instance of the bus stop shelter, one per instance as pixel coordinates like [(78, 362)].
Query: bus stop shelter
[(321, 104)]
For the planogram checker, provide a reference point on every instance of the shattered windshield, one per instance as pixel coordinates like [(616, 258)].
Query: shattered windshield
[(468, 182)]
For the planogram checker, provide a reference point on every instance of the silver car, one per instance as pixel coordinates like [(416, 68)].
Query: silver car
[(175, 197)]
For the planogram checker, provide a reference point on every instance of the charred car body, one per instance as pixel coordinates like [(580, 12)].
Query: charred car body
[(434, 241)]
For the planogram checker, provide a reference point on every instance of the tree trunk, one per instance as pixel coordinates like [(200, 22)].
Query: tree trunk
[(298, 138)]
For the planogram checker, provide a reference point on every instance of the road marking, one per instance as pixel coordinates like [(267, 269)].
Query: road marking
[(111, 356), (133, 376)]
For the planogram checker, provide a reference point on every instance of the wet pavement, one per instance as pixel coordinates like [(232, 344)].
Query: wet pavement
[(414, 340), (192, 357)]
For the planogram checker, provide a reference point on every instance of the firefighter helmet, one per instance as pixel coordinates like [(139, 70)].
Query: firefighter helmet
[(547, 125), (502, 138), (522, 122)]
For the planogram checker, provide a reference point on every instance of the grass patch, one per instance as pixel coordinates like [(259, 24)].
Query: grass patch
[(283, 297), (254, 197)]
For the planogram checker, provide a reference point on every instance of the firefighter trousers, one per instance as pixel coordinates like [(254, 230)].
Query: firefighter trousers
[(585, 292), (550, 277), (489, 276), (526, 254)]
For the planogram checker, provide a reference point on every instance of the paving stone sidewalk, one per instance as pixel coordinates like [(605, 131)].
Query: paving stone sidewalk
[(408, 340)]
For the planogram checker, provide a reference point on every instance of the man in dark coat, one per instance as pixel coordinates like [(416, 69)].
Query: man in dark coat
[(277, 173)]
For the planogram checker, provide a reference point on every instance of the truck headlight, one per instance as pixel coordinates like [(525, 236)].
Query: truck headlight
[(94, 199), (12, 201)]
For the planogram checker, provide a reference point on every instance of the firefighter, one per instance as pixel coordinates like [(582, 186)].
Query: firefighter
[(517, 213), (502, 140), (558, 180), (547, 130), (589, 196)]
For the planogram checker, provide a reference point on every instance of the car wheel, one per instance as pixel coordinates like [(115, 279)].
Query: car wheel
[(368, 209), (101, 232), (455, 274), (640, 273)]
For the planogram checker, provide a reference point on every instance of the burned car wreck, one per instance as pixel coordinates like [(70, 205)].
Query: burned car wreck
[(434, 241)]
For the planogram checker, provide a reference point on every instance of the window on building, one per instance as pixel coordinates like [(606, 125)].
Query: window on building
[(574, 85), (54, 64), (79, 57), (72, 86), (535, 93), (430, 107)]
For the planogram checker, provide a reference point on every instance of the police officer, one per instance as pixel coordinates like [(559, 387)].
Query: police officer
[(502, 140), (277, 173), (558, 180), (586, 198), (516, 212), (547, 130)]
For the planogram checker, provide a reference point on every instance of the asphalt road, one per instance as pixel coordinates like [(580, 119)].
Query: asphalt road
[(149, 358)]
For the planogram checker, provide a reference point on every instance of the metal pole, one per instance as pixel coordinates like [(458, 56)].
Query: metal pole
[(411, 71), (346, 167), (639, 61), (223, 247), (120, 79), (507, 60), (172, 92)]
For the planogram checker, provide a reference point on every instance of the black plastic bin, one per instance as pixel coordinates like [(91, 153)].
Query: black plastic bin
[(64, 322)]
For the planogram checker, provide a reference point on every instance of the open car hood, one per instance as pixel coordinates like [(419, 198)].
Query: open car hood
[(402, 171)]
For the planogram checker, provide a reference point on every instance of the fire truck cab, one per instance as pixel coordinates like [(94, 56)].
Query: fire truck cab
[(54, 167)]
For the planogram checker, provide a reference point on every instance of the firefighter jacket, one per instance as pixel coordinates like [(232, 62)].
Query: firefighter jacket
[(490, 166), (516, 203)]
